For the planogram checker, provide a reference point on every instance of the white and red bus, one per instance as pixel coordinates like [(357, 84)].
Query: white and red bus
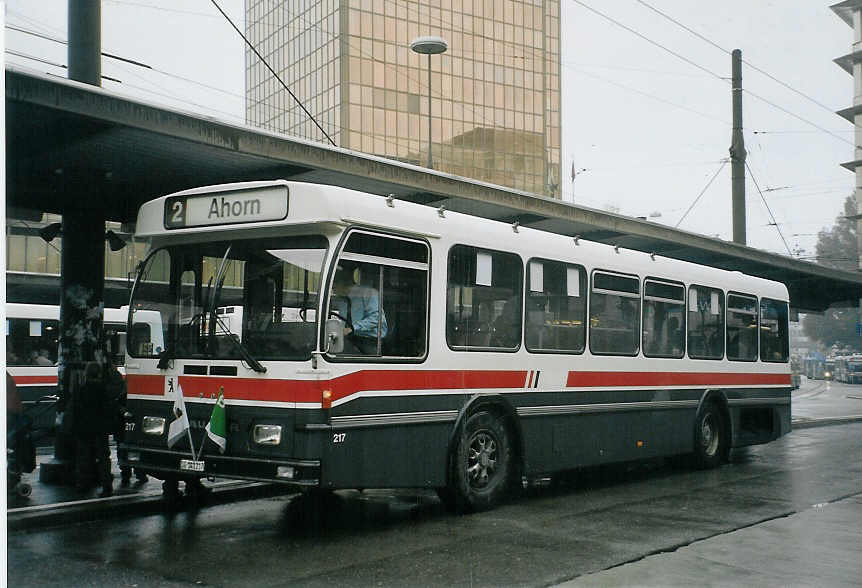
[(32, 349), (478, 354)]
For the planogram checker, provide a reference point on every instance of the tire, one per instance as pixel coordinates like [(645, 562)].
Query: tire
[(710, 437), (483, 463)]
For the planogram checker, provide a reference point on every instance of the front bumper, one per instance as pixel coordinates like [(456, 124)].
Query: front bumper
[(166, 463)]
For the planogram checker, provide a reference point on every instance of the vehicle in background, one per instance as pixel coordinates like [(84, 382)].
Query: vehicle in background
[(32, 348), (796, 369), (829, 367), (814, 365)]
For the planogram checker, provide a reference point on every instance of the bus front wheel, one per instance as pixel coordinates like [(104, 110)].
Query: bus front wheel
[(710, 437), (483, 463)]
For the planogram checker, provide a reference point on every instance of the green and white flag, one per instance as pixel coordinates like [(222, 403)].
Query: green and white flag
[(216, 427)]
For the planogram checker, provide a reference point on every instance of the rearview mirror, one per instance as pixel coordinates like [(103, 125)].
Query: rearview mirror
[(334, 336)]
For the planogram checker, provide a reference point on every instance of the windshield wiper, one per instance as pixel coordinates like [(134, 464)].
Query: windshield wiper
[(243, 350)]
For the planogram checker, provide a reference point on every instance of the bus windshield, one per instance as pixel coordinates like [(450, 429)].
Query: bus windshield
[(252, 299)]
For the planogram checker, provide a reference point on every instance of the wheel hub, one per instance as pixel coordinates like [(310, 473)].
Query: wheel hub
[(709, 435), (482, 459)]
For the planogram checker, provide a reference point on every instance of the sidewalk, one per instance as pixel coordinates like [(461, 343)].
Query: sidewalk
[(50, 504)]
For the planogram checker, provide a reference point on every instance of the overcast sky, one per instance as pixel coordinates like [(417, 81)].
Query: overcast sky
[(645, 129)]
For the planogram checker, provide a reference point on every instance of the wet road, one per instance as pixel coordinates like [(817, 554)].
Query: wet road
[(819, 399), (597, 520)]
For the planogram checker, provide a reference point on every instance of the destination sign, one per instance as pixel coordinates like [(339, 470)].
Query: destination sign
[(223, 208)]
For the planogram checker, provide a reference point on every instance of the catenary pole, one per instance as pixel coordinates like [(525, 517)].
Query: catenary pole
[(737, 151)]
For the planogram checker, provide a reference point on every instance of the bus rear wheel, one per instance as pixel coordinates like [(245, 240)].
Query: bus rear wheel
[(483, 463), (710, 437)]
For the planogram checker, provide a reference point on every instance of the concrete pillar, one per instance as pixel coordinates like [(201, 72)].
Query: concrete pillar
[(82, 262), (82, 280)]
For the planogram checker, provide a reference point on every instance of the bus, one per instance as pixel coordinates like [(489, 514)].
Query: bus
[(391, 344), (32, 349), (848, 369), (853, 369), (829, 368), (815, 365)]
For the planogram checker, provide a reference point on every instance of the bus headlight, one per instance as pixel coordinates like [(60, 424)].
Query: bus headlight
[(151, 425), (267, 434), (288, 472)]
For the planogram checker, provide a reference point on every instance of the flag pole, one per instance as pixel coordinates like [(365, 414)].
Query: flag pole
[(191, 443), (204, 440)]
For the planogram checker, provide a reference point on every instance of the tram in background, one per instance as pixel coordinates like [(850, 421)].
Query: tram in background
[(32, 348), (796, 369), (814, 367), (848, 369), (390, 344), (829, 368)]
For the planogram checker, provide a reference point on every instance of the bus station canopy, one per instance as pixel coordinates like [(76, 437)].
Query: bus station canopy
[(71, 145)]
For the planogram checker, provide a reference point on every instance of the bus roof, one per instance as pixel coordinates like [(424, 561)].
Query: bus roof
[(248, 208)]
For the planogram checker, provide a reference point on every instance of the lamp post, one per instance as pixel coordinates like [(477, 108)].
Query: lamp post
[(429, 46)]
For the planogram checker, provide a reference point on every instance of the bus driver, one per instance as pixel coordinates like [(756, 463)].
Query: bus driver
[(359, 307)]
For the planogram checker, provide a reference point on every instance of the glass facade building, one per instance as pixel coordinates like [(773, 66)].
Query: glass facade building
[(27, 252), (495, 93)]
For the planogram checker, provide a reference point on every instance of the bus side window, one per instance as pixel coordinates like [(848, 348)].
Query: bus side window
[(31, 341), (381, 288), (741, 327), (774, 341), (556, 307), (663, 319), (705, 323), (484, 299), (614, 314)]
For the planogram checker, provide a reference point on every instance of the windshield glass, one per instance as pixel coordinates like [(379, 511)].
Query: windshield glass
[(230, 300)]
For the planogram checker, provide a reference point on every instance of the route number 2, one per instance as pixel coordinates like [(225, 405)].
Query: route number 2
[(339, 437), (177, 212)]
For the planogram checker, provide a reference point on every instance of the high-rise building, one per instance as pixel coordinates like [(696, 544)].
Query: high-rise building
[(495, 92), (850, 11)]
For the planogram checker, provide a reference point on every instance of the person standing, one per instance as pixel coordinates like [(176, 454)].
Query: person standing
[(116, 392), (91, 426)]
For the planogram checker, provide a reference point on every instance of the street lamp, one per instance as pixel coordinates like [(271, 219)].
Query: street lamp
[(429, 46)]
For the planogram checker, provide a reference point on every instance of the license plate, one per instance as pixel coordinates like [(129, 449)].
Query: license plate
[(190, 465)]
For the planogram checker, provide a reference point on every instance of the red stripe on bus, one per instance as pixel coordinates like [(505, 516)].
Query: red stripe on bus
[(425, 380), (310, 391), (25, 380), (146, 385), (706, 379)]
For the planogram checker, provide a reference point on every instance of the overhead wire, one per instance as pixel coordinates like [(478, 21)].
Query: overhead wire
[(748, 63), (759, 70), (272, 71), (702, 192), (768, 209), (651, 96), (162, 8), (650, 41)]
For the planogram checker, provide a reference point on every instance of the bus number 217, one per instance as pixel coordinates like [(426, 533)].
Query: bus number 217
[(339, 437)]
